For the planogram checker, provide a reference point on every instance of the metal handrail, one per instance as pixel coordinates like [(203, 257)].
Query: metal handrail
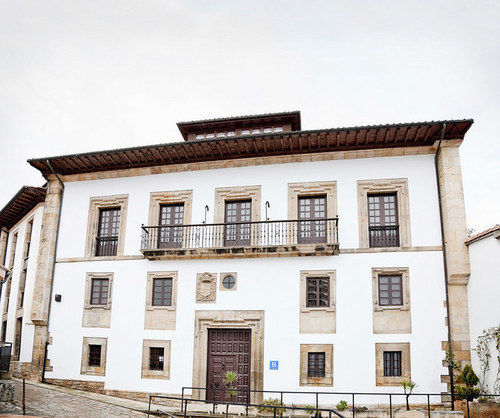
[(145, 227), (351, 394)]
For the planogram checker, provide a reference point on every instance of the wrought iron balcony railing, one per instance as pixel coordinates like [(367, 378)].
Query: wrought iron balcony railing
[(106, 246), (264, 234), (384, 236)]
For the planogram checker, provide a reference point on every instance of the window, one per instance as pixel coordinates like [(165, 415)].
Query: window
[(314, 209), (245, 132), (108, 231), (221, 134), (255, 131), (392, 363), (99, 292), (316, 364), (210, 136), (278, 129), (94, 355), (228, 282), (170, 234), (237, 212), (267, 130), (318, 292), (230, 133), (390, 290), (156, 358), (162, 292), (383, 220)]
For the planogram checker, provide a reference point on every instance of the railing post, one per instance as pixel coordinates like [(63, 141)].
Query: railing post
[(468, 414), (227, 409), (24, 396), (317, 403), (353, 408), (429, 405), (274, 415), (185, 408), (390, 405), (149, 405), (182, 398), (281, 401)]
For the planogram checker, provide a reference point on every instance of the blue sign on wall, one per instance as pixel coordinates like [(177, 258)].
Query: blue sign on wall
[(273, 365)]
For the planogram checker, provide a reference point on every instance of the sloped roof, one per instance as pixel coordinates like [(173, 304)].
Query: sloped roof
[(282, 143), (23, 201), (483, 234)]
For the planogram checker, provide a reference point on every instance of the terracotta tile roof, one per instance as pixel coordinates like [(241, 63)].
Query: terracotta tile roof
[(482, 235), (23, 201), (414, 134)]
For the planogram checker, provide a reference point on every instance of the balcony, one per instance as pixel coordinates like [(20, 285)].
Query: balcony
[(384, 236), (241, 239)]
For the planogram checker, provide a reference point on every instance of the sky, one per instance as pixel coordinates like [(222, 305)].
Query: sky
[(80, 76)]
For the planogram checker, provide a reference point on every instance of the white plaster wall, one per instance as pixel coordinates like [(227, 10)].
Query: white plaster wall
[(270, 284), (484, 306), (28, 328)]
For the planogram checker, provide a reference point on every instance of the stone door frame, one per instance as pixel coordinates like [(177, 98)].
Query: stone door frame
[(253, 320)]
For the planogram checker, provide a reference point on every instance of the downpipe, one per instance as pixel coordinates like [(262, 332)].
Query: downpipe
[(53, 271), (450, 351)]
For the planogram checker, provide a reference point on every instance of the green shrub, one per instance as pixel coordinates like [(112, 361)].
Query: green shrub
[(468, 376), (268, 406), (310, 409), (342, 405), (467, 392)]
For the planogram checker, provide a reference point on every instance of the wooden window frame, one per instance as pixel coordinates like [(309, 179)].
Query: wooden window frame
[(317, 358), (170, 197), (101, 296), (327, 379), (381, 379), (393, 369), (317, 274), (317, 292), (164, 299), (404, 272), (146, 372), (95, 206), (383, 186), (395, 226), (93, 370), (390, 290)]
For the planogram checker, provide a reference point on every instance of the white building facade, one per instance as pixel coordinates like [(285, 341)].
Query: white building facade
[(483, 291), (303, 260)]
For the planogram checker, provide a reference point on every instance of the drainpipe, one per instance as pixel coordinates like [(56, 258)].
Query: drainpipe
[(450, 351), (53, 271)]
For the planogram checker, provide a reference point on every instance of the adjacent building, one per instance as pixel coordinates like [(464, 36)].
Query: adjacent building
[(302, 259), (484, 309)]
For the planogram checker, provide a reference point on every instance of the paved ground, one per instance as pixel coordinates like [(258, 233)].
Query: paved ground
[(50, 401)]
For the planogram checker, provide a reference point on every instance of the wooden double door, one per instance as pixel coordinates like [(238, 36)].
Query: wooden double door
[(228, 350)]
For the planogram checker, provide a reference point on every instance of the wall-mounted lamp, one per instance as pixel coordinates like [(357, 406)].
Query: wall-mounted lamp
[(206, 211), (267, 205)]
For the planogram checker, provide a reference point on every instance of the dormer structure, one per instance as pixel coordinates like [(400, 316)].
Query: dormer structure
[(266, 123)]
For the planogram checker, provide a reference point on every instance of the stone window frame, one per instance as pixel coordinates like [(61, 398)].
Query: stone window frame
[(88, 290), (95, 205), (146, 373), (94, 370), (170, 197), (305, 380), (405, 282), (382, 380), (313, 188), (223, 194), (221, 278), (380, 186), (149, 290), (332, 277)]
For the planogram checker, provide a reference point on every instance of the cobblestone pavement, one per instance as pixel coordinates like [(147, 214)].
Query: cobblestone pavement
[(53, 402)]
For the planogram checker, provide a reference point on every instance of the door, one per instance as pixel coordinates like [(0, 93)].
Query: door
[(314, 230), (170, 222), (237, 212), (228, 350)]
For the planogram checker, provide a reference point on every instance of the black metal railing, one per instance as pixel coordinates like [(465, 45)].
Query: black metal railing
[(424, 400), (384, 236), (241, 234), (5, 354), (106, 246)]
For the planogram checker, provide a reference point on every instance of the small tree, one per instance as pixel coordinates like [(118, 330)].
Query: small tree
[(408, 387), (468, 392), (230, 379)]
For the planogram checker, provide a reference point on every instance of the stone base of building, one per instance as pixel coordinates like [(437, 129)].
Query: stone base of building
[(98, 387), (25, 370)]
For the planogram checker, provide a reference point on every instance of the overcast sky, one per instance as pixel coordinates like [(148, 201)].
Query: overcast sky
[(79, 76)]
